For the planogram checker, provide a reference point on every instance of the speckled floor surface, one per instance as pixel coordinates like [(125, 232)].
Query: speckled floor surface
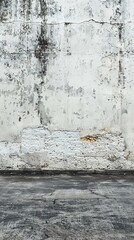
[(96, 207)]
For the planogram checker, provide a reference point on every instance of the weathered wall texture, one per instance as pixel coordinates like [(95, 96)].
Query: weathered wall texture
[(66, 84)]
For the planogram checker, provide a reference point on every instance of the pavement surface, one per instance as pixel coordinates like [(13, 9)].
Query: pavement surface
[(96, 207)]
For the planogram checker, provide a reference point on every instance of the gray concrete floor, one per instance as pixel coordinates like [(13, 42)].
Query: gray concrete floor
[(62, 207)]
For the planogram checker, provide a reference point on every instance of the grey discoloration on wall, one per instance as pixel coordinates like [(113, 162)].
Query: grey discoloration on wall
[(4, 9), (66, 68), (41, 50)]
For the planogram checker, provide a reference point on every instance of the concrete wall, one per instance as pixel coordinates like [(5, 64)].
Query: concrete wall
[(66, 84)]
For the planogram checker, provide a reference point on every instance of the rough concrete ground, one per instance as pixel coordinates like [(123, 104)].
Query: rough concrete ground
[(95, 207)]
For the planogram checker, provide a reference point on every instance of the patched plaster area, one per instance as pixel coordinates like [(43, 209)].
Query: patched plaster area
[(66, 84), (41, 149)]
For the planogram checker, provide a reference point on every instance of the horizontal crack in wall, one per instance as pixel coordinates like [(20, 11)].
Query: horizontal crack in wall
[(67, 22)]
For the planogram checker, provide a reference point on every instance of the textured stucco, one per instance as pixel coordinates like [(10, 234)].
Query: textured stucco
[(66, 84)]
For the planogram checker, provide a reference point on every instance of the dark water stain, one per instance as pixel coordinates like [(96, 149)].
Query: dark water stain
[(38, 90), (26, 8), (43, 49), (1, 1), (4, 3), (29, 3), (19, 119), (53, 7), (41, 53), (45, 118), (121, 75), (4, 8), (120, 29)]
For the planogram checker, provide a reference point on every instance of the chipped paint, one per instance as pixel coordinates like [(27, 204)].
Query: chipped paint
[(66, 68), (89, 138)]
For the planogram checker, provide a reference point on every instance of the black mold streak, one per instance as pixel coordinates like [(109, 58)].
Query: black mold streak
[(19, 119), (1, 1), (4, 4), (42, 53), (120, 30), (53, 8), (26, 9), (37, 89)]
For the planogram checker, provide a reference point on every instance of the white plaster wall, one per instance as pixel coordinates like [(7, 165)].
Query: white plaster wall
[(66, 84)]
